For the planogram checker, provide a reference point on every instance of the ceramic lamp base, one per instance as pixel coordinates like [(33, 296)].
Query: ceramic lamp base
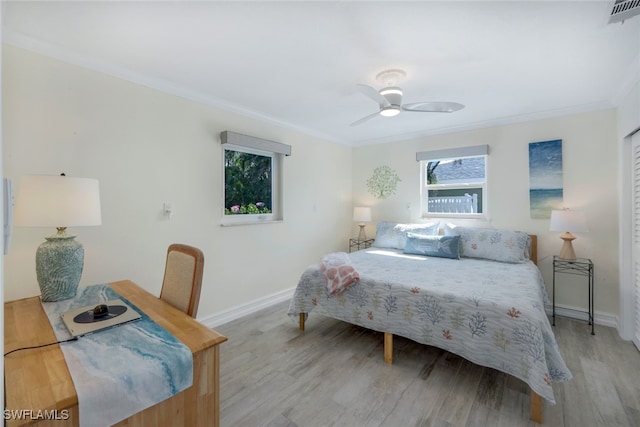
[(361, 235), (567, 252), (59, 263)]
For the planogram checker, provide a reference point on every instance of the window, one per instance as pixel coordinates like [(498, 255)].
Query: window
[(248, 180), (453, 182), (252, 179)]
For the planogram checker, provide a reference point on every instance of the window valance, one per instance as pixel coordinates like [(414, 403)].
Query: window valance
[(453, 153), (239, 139)]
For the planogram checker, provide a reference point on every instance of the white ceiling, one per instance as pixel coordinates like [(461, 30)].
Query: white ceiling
[(298, 63)]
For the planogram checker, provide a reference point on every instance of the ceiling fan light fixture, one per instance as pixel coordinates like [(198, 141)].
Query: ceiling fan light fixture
[(393, 95), (391, 91), (389, 98), (390, 111)]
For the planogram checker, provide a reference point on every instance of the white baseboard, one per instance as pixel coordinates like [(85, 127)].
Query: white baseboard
[(604, 319), (246, 309)]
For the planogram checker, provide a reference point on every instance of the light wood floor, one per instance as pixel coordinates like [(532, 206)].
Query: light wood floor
[(333, 374)]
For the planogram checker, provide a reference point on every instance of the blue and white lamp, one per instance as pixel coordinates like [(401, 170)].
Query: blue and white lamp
[(61, 202)]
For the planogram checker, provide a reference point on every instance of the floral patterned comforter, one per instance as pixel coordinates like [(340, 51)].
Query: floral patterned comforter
[(489, 312)]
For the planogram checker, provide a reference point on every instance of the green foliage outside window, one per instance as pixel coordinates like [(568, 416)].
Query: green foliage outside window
[(431, 172), (247, 183)]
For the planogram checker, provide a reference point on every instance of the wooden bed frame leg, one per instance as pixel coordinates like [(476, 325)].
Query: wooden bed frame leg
[(302, 319), (536, 407), (388, 347)]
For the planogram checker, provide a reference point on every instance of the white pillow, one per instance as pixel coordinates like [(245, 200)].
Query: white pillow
[(491, 243), (394, 235)]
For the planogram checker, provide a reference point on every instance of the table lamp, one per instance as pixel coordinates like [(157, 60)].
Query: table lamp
[(568, 221), (61, 202), (362, 215)]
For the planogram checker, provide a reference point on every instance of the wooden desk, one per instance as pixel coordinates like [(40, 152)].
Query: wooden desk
[(38, 379)]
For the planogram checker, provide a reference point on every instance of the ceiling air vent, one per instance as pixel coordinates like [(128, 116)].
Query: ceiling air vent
[(624, 9)]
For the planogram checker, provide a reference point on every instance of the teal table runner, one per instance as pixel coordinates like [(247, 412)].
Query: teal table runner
[(123, 370)]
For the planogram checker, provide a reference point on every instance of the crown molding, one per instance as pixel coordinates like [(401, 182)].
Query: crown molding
[(22, 41), (499, 121), (19, 40), (629, 80)]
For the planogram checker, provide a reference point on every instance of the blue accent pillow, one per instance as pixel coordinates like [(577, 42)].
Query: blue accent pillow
[(436, 246)]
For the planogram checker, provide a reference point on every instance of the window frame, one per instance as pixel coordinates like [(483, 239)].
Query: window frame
[(425, 187), (276, 188)]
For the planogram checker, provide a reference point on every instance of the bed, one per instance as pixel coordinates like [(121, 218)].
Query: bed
[(474, 292)]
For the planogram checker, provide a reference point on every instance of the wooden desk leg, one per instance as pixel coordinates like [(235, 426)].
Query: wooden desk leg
[(302, 319), (388, 347), (216, 387), (536, 407)]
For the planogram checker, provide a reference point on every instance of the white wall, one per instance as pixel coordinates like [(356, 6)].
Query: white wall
[(590, 176), (146, 147), (629, 111)]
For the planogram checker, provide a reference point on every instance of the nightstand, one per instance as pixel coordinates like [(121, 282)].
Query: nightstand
[(357, 244), (580, 267)]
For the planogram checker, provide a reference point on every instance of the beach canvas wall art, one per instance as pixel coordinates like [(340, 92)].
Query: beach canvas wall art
[(545, 177)]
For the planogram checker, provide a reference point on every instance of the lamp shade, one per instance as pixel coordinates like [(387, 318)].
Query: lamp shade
[(362, 214), (567, 220), (57, 201)]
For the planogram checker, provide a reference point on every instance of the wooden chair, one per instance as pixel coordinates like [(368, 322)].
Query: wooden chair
[(183, 278)]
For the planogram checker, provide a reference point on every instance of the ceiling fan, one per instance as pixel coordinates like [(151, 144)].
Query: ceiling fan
[(389, 98)]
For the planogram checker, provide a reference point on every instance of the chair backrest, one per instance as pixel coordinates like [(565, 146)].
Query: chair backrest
[(183, 278)]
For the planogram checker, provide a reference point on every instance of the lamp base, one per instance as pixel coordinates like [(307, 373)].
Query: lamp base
[(59, 263), (361, 235), (567, 253)]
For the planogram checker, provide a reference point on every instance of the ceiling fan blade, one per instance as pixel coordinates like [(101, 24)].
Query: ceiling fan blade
[(433, 107), (364, 119), (370, 92)]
